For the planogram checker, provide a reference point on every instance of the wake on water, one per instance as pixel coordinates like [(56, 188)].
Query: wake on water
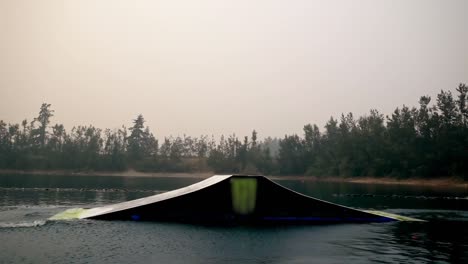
[(34, 223), (26, 216)]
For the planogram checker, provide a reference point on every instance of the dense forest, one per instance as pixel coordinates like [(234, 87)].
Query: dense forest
[(430, 140)]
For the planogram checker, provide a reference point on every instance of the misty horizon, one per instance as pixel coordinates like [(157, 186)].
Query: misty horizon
[(217, 137)]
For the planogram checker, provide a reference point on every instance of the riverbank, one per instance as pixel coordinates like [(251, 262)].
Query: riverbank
[(442, 182), (128, 173)]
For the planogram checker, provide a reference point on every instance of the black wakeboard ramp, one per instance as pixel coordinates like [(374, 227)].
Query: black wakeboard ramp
[(231, 199)]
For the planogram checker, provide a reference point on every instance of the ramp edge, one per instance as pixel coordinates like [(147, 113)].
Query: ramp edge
[(394, 216)]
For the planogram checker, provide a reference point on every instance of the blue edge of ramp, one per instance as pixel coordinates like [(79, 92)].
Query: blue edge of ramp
[(238, 199)]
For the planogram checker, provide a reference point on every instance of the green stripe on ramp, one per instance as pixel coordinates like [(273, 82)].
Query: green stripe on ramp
[(243, 195)]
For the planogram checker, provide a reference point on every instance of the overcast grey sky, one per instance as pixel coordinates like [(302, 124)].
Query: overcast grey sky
[(212, 67)]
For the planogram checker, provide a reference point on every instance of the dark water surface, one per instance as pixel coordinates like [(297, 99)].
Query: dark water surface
[(26, 201)]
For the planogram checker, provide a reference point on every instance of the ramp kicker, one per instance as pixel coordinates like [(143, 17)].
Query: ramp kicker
[(232, 199)]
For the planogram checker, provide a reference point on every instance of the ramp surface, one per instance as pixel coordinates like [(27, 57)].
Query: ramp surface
[(234, 199)]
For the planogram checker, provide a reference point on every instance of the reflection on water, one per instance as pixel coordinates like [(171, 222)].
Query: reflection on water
[(29, 200), (68, 196), (94, 182), (382, 196)]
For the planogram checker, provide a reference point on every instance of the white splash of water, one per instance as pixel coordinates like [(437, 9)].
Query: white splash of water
[(23, 224)]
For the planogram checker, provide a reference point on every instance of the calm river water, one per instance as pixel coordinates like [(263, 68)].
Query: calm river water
[(26, 201)]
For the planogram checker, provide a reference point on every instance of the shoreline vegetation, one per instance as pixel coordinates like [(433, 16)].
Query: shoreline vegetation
[(411, 143), (450, 182)]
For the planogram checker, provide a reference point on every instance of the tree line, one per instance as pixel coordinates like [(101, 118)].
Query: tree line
[(430, 140)]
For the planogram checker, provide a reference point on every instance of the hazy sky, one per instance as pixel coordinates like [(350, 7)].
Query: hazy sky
[(212, 67)]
